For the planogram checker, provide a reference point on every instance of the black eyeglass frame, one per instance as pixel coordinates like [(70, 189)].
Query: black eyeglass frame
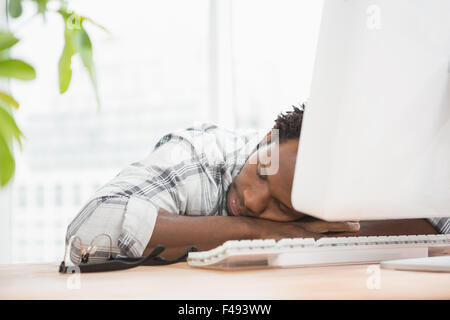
[(113, 264)]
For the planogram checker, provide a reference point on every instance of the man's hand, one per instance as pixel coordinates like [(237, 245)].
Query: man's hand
[(321, 226), (307, 227)]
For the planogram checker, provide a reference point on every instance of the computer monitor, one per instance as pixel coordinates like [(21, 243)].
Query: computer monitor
[(375, 140)]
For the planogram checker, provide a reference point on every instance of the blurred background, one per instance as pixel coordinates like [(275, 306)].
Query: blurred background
[(165, 65)]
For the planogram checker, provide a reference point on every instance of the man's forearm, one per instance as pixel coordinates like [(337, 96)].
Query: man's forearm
[(177, 232), (391, 228)]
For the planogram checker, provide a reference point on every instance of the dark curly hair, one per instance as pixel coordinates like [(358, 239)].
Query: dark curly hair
[(290, 123)]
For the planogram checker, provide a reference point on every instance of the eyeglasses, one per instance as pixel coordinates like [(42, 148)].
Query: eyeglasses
[(97, 256)]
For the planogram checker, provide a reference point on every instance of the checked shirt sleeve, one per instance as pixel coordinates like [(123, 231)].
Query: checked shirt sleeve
[(129, 221), (442, 225)]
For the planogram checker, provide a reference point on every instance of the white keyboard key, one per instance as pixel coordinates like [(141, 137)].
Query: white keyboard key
[(260, 244), (309, 242), (267, 243), (286, 242), (295, 242), (417, 239), (255, 244), (372, 239), (434, 237), (203, 255), (403, 238), (326, 241), (230, 244), (362, 240), (394, 239), (195, 255), (215, 252), (244, 244), (304, 242), (351, 241)]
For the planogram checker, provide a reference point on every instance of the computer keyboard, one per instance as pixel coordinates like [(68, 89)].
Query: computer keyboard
[(298, 252)]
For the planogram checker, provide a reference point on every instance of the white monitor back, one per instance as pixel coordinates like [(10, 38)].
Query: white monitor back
[(375, 140)]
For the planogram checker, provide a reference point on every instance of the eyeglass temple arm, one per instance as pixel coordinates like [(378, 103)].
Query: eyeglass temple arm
[(158, 260)]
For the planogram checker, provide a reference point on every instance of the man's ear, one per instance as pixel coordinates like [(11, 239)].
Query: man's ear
[(268, 137), (266, 140)]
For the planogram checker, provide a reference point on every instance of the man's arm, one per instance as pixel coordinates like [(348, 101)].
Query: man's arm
[(178, 232)]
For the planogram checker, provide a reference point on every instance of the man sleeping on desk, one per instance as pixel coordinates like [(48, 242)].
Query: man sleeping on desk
[(203, 186)]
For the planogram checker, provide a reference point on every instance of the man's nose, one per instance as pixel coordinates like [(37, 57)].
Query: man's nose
[(256, 199)]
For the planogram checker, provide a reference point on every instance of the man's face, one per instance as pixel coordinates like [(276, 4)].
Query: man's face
[(267, 196)]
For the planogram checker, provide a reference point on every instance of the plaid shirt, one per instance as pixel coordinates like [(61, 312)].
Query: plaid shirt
[(187, 173)]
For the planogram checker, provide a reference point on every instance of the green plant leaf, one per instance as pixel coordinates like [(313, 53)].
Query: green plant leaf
[(76, 41), (96, 24), (42, 5), (65, 61), (7, 100), (7, 163), (8, 133), (83, 46), (15, 8), (18, 69), (8, 127), (7, 40)]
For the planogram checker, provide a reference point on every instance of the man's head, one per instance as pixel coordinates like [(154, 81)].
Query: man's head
[(259, 192)]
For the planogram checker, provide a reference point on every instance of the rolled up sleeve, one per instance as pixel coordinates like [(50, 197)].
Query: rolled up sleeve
[(137, 228), (127, 221)]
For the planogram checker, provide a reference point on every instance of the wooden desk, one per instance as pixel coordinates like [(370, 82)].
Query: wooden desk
[(179, 281)]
